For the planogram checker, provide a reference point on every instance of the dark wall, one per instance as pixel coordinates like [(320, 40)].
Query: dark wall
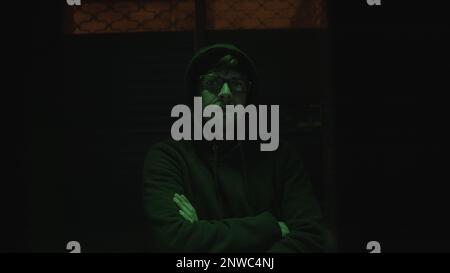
[(389, 69), (113, 101)]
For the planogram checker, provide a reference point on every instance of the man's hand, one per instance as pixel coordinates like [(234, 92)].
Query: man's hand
[(284, 229), (186, 209)]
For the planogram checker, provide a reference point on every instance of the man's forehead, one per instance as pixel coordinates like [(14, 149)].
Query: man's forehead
[(231, 73)]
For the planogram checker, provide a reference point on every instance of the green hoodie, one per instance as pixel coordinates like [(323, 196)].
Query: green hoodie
[(239, 192)]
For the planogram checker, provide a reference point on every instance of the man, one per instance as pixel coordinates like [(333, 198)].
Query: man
[(222, 195)]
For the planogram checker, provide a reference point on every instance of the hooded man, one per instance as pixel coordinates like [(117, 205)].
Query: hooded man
[(227, 195)]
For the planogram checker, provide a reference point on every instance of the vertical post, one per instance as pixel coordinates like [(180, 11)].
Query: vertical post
[(328, 116), (68, 20), (200, 24)]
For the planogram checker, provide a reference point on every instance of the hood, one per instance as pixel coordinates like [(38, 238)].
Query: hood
[(203, 60), (208, 56)]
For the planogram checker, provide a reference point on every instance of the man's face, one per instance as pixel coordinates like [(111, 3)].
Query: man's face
[(223, 88)]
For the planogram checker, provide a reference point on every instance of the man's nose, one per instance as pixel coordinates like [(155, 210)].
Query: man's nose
[(225, 93)]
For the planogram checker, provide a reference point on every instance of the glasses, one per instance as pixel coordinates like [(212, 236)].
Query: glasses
[(214, 84)]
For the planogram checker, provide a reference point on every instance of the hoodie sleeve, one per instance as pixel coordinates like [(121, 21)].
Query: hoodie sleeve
[(169, 232), (299, 209)]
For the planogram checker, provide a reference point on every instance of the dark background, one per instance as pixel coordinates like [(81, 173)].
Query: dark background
[(95, 103), (390, 67)]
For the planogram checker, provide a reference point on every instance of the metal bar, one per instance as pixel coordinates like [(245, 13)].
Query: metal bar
[(200, 24)]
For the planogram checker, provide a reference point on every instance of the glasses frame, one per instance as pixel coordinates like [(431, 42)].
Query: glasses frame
[(247, 83)]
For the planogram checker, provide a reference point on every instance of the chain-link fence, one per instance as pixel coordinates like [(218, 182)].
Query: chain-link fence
[(98, 16), (101, 16), (265, 14)]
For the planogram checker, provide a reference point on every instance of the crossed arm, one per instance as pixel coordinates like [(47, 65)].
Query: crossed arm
[(187, 211), (180, 229)]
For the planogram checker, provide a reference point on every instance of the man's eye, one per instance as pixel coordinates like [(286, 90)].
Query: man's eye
[(211, 82)]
